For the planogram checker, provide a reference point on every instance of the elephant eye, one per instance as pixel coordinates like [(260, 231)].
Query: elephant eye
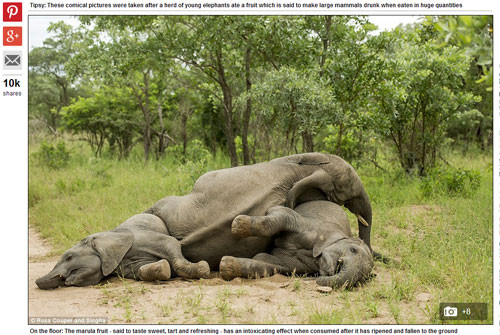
[(69, 258), (354, 250)]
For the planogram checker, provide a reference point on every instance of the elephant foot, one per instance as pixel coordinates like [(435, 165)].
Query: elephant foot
[(155, 271), (189, 270), (242, 226), (229, 268), (203, 269), (232, 267), (381, 258)]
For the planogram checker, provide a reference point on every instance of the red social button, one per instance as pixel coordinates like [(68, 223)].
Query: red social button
[(12, 36), (12, 11)]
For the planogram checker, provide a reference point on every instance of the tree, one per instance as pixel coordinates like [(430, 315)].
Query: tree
[(294, 101), (229, 51), (423, 88), (474, 36), (117, 52), (109, 115), (351, 62), (206, 44), (50, 87)]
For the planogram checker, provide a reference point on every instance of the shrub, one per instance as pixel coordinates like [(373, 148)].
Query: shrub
[(453, 182), (53, 156), (195, 152)]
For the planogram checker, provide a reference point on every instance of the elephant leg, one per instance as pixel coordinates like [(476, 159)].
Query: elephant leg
[(168, 247), (261, 265), (232, 267), (185, 268), (319, 180), (277, 219)]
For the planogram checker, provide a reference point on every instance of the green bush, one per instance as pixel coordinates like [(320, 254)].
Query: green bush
[(53, 156), (195, 152), (193, 163), (453, 182)]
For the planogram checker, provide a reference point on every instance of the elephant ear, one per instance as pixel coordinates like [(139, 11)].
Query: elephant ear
[(112, 247), (347, 184), (324, 240)]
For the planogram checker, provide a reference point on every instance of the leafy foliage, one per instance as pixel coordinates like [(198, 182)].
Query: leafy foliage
[(294, 102), (196, 152), (53, 156), (262, 86), (424, 91), (108, 116), (474, 33), (474, 37), (50, 86), (452, 182)]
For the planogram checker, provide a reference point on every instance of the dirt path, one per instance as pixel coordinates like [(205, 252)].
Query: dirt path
[(274, 300)]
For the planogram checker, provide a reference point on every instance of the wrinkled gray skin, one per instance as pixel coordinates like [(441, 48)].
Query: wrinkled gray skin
[(201, 220), (313, 238), (140, 248)]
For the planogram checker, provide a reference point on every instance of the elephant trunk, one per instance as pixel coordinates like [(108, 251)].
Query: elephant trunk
[(51, 280), (347, 277), (361, 206)]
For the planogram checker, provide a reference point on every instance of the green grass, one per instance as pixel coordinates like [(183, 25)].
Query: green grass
[(92, 195), (327, 316), (442, 244)]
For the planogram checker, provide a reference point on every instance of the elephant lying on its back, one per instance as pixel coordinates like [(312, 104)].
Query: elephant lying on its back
[(197, 227), (313, 238)]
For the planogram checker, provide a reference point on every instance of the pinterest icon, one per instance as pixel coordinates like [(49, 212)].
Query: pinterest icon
[(12, 11)]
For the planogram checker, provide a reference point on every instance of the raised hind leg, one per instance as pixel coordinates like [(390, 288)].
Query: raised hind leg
[(277, 219)]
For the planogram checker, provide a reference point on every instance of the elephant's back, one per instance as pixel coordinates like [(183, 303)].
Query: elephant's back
[(145, 221), (239, 178)]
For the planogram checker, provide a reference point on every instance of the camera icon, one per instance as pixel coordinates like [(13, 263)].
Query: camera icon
[(450, 312)]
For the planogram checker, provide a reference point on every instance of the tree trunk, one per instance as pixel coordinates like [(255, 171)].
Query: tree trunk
[(231, 145), (184, 118), (338, 148), (248, 110), (161, 138), (144, 105), (422, 169), (228, 109), (147, 138), (308, 142), (326, 43), (147, 119)]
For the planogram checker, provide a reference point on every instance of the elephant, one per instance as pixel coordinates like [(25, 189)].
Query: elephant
[(315, 237), (201, 220), (140, 248), (197, 226)]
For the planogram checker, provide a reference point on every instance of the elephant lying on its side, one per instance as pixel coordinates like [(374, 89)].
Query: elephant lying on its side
[(140, 248), (313, 238)]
